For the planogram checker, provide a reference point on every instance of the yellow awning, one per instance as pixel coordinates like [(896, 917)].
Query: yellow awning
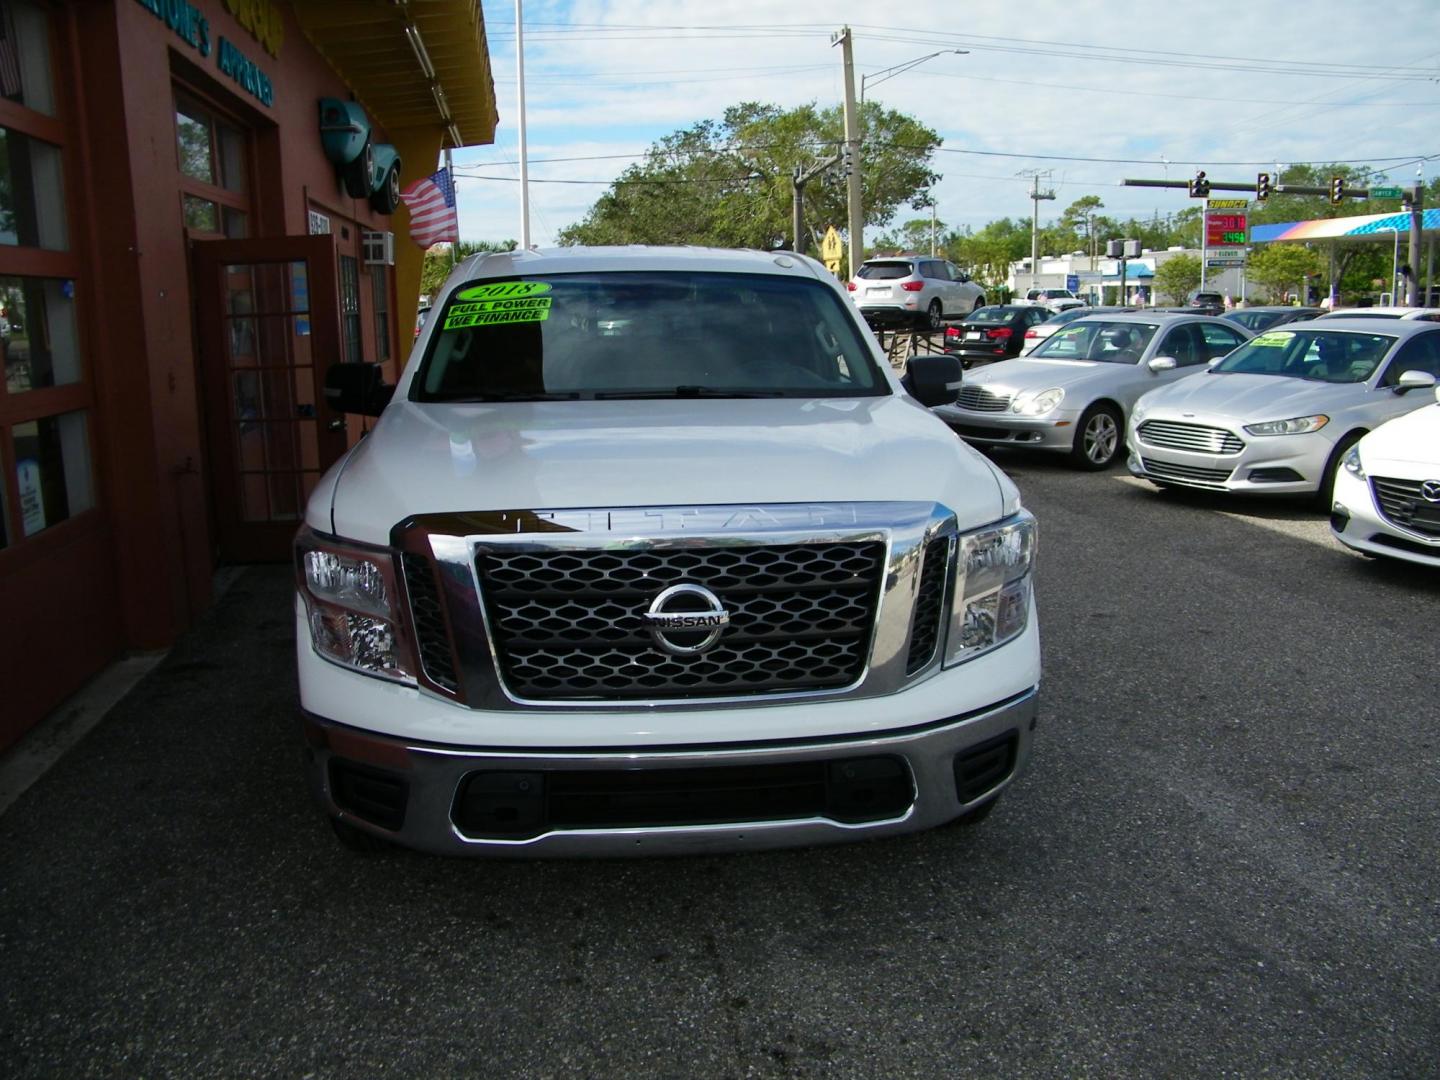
[(410, 63)]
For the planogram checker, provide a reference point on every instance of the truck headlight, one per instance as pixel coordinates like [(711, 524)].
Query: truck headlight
[(992, 587), (351, 603), (1299, 425)]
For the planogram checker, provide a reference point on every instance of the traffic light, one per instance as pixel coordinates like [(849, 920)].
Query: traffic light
[(1200, 187), (847, 159), (1262, 187), (1337, 190)]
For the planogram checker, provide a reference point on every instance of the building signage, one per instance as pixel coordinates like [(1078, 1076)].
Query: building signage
[(32, 501), (1229, 204), (193, 28), (240, 68), (182, 17), (263, 19), (319, 223)]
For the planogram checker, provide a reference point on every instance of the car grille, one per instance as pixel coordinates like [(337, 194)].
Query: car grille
[(568, 625), (1184, 474), (436, 659), (982, 399), (929, 606), (1196, 437), (1402, 504)]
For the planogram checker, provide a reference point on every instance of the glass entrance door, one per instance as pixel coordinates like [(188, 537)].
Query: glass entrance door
[(269, 328)]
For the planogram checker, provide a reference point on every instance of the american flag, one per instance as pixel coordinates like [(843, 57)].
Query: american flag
[(432, 209)]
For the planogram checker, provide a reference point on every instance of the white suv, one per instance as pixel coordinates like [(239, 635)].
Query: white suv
[(711, 580), (1057, 300), (914, 289)]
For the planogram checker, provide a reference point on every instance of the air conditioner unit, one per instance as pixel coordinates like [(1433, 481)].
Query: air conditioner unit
[(378, 248)]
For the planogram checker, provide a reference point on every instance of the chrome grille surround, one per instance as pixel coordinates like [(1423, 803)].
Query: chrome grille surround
[(610, 560), (1400, 501), (983, 399), (1199, 438), (1185, 474)]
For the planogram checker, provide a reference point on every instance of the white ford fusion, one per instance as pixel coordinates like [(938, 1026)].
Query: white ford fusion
[(1387, 492), (1278, 414), (1073, 393)]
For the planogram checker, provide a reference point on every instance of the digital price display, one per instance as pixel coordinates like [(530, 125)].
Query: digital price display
[(1223, 230)]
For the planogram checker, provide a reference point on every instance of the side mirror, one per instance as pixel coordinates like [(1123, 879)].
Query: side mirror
[(357, 388), (933, 380), (1414, 380), (1158, 364)]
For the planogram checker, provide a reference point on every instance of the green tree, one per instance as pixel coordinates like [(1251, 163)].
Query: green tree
[(441, 259), (1177, 277), (1281, 268), (727, 182)]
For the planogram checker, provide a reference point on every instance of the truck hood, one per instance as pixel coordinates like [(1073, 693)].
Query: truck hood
[(437, 458), (1244, 398)]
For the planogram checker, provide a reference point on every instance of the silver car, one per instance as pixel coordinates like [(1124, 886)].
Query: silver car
[(1073, 393), (906, 289), (1277, 415)]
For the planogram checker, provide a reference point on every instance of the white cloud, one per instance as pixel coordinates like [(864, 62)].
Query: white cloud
[(594, 91)]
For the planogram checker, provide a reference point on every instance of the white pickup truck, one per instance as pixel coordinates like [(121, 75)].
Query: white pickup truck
[(1057, 300), (649, 551)]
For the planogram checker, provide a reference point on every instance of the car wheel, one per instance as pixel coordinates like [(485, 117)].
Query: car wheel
[(1325, 493), (358, 839), (935, 315), (1097, 438)]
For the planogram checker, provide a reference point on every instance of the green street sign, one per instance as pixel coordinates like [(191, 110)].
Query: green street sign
[(1385, 193)]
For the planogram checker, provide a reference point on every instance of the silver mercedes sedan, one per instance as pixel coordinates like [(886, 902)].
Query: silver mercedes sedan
[(1278, 414), (1074, 393)]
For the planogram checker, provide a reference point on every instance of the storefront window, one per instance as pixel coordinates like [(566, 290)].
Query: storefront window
[(52, 470), (380, 296), (25, 76), (38, 337), (32, 192), (350, 309), (212, 156)]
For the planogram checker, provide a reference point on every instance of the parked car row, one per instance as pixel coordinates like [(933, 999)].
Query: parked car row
[(1341, 409)]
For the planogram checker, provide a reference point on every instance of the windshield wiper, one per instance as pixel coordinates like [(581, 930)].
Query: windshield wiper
[(514, 395), (688, 392)]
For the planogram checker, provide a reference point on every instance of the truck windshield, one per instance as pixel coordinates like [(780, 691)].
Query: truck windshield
[(647, 335)]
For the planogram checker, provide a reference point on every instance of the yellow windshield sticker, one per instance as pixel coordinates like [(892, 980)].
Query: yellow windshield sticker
[(499, 302), (1272, 341)]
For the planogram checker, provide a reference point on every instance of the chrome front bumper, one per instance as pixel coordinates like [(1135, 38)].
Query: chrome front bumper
[(432, 777)]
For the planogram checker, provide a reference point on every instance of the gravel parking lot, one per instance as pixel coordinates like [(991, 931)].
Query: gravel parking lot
[(1222, 862)]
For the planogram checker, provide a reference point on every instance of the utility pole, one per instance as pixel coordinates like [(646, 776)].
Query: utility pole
[(1417, 211), (520, 108), (931, 199), (856, 215), (1036, 196)]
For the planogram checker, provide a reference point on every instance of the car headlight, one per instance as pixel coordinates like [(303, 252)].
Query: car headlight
[(992, 587), (352, 606), (1352, 462), (1038, 403), (1299, 425)]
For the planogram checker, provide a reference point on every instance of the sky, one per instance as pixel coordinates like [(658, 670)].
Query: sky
[(1232, 88)]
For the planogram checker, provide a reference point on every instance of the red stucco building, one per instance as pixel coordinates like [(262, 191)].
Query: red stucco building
[(181, 257)]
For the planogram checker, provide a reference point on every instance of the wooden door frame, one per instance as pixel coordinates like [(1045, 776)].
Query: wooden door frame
[(236, 539)]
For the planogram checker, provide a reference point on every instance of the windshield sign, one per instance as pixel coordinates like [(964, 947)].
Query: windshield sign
[(645, 335), (1096, 340), (1317, 355)]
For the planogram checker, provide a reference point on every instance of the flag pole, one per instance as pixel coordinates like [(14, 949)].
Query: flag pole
[(524, 165), (450, 168)]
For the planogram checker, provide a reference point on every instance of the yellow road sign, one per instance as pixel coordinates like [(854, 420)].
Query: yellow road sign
[(833, 265), (831, 248)]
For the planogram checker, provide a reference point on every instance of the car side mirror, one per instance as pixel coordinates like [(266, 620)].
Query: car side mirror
[(1414, 380), (1158, 364), (933, 380), (357, 388)]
